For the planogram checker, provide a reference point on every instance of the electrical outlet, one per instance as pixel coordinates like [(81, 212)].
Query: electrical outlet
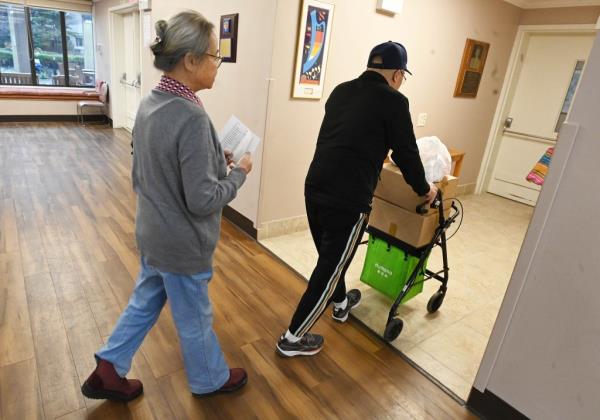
[(422, 120)]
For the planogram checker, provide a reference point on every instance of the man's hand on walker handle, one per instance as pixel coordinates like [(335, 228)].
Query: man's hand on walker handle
[(430, 196)]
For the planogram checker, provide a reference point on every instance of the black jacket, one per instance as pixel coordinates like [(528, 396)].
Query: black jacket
[(364, 119)]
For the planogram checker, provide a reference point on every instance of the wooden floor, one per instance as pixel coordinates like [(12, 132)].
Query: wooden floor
[(67, 266)]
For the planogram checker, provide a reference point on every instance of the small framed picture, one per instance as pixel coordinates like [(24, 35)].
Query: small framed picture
[(227, 26), (228, 33), (471, 68)]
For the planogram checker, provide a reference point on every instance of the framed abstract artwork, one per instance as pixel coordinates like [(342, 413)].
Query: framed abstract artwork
[(471, 68), (228, 33), (314, 33)]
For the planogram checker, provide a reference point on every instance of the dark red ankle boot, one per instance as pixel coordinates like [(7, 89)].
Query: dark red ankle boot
[(105, 384), (237, 379)]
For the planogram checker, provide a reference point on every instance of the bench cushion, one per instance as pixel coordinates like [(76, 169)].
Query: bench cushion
[(69, 94)]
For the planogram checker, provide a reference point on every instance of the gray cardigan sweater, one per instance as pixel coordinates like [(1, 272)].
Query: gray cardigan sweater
[(181, 181)]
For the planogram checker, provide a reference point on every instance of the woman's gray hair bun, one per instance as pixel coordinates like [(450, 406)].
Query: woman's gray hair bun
[(186, 32), (161, 28)]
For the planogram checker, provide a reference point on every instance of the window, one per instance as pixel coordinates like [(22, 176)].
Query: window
[(15, 66), (45, 47), (80, 49), (570, 94)]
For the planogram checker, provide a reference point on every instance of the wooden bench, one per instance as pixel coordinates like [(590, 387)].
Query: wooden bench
[(54, 93)]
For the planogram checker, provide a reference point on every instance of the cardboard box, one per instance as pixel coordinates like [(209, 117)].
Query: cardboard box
[(409, 227), (393, 188)]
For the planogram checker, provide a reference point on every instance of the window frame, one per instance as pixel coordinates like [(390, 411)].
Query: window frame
[(65, 51)]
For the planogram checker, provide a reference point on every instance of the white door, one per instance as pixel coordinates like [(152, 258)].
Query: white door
[(132, 72), (542, 93)]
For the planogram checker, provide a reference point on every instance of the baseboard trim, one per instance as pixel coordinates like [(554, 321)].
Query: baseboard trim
[(53, 118), (489, 406), (240, 221), (466, 189), (283, 227)]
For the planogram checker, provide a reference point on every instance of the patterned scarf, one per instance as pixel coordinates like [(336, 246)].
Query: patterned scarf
[(540, 170), (170, 85)]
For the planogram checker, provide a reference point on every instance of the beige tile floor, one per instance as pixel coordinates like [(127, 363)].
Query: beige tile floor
[(449, 344)]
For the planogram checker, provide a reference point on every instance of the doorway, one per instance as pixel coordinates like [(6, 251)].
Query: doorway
[(125, 64), (548, 64)]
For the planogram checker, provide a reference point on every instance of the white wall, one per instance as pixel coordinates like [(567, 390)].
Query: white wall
[(543, 353), (37, 107), (102, 40), (240, 89), (434, 32)]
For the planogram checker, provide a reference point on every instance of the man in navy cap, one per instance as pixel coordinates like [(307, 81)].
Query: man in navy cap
[(364, 119)]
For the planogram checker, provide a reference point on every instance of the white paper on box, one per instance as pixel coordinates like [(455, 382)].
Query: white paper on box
[(238, 138)]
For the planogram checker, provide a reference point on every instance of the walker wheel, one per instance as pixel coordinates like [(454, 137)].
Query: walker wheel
[(435, 301), (393, 329)]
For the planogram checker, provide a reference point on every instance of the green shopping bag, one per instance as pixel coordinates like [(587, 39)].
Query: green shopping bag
[(387, 269)]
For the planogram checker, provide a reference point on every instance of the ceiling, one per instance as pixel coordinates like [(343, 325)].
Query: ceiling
[(529, 4), (541, 4)]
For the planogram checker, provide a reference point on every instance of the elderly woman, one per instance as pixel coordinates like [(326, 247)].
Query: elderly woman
[(183, 179)]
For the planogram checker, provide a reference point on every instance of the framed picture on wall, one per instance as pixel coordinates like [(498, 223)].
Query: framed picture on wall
[(471, 68), (314, 33), (228, 32)]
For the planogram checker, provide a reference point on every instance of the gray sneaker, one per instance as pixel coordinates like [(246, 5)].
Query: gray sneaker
[(341, 315), (308, 345)]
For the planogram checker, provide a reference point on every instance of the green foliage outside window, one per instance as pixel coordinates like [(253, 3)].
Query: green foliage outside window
[(47, 42)]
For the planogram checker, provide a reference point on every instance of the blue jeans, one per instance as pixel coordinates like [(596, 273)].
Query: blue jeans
[(205, 365)]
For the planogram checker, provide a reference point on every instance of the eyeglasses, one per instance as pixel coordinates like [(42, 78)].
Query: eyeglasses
[(403, 73), (218, 59)]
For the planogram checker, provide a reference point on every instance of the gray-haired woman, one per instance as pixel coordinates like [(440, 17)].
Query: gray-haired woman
[(182, 181)]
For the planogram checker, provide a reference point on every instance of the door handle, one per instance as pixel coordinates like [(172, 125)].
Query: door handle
[(528, 135), (508, 122), (136, 83)]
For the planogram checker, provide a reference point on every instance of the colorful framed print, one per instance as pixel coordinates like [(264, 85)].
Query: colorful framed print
[(314, 34)]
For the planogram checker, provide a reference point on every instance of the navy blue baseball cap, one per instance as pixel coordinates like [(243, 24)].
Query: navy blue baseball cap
[(393, 56)]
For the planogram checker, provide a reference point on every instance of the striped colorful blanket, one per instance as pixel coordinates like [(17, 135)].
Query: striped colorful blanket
[(539, 171)]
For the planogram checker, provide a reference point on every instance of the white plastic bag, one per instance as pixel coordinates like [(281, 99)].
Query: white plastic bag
[(435, 157)]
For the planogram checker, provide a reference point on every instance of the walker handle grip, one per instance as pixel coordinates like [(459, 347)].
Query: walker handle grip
[(437, 201)]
